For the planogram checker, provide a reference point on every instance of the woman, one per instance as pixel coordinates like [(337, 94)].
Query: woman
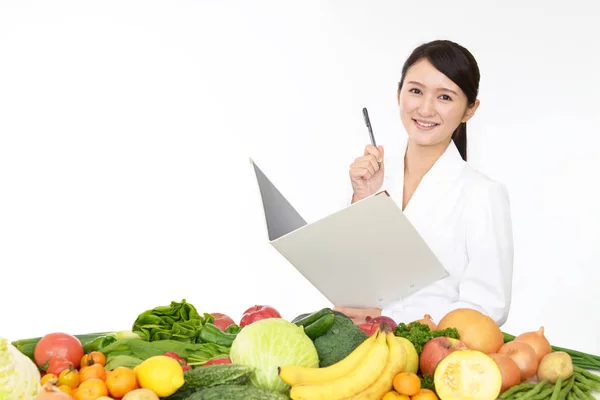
[(463, 215)]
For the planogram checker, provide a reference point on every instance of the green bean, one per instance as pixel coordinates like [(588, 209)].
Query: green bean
[(556, 391), (517, 388), (536, 389)]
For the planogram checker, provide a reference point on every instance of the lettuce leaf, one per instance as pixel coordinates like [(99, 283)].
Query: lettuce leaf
[(177, 321)]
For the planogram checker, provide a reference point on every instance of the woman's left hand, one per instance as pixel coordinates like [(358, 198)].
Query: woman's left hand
[(359, 315)]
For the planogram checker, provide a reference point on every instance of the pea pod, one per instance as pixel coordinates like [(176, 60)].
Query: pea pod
[(210, 333)]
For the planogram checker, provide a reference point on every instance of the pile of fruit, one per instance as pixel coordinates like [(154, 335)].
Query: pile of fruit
[(173, 352)]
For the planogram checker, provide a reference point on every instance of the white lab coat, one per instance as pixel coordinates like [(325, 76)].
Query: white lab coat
[(464, 216)]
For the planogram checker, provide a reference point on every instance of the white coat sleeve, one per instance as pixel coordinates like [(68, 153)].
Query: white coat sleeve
[(486, 284)]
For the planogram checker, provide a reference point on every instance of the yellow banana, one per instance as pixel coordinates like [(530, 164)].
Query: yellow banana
[(295, 375), (356, 381), (396, 363)]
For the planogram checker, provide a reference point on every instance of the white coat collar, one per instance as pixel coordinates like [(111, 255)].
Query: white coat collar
[(436, 182)]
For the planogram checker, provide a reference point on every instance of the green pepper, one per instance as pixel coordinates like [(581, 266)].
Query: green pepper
[(98, 343), (233, 328), (210, 333)]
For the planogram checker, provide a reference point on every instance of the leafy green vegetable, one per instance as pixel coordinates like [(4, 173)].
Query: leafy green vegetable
[(178, 321), (419, 333), (268, 344), (427, 382), (193, 353), (122, 361), (339, 341)]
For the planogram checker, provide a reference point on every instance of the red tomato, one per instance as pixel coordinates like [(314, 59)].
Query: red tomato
[(222, 321), (221, 360), (58, 345), (56, 365), (257, 313)]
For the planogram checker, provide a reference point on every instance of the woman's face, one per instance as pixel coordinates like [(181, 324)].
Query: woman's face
[(431, 105)]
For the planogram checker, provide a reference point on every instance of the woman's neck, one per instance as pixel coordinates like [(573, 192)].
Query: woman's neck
[(418, 160)]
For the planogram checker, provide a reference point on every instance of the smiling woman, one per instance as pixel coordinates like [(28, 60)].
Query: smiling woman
[(463, 215)]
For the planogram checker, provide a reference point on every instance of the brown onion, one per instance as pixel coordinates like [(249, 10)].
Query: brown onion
[(428, 321), (538, 341), (510, 371), (522, 354)]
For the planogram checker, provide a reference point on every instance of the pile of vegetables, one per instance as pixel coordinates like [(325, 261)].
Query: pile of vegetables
[(174, 352)]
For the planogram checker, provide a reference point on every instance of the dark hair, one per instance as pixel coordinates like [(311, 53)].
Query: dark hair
[(459, 65)]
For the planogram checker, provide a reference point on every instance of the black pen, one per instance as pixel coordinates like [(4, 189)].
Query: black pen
[(368, 123)]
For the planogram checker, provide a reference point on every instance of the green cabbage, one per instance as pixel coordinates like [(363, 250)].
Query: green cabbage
[(268, 344), (19, 376)]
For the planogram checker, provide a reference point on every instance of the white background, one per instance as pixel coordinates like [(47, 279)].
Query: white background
[(126, 128)]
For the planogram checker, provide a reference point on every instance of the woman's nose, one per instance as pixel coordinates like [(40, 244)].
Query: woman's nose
[(426, 108)]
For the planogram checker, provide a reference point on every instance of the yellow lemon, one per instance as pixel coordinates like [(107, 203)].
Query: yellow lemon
[(412, 357), (161, 374)]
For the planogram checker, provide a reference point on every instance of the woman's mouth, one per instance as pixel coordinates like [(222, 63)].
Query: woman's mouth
[(425, 125)]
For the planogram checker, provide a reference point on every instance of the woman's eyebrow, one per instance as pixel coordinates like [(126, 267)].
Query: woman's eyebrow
[(438, 88)]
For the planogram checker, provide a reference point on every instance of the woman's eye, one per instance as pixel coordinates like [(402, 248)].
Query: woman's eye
[(446, 97), (415, 91)]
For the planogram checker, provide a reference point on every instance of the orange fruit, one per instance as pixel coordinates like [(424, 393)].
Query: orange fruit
[(66, 389), (91, 389), (425, 394), (95, 371), (121, 381), (407, 383), (393, 395), (95, 357)]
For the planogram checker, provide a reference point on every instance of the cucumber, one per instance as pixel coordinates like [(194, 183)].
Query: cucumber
[(320, 326), (237, 392), (214, 375), (317, 323), (299, 317), (307, 319)]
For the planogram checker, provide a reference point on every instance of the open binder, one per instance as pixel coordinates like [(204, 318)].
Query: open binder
[(365, 255)]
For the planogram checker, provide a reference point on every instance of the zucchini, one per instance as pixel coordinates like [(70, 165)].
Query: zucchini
[(237, 392), (215, 375)]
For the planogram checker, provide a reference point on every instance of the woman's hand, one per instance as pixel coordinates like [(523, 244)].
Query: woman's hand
[(359, 315), (366, 172)]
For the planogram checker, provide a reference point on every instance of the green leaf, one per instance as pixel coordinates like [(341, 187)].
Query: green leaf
[(178, 321)]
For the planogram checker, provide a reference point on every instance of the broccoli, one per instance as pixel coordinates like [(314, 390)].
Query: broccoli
[(339, 341), (419, 333)]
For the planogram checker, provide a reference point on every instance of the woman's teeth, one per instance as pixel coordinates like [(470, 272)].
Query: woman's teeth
[(425, 124)]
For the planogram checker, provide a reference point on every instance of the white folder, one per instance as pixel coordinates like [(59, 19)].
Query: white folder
[(365, 255)]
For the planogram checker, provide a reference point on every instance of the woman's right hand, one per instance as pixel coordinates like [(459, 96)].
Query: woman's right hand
[(366, 173)]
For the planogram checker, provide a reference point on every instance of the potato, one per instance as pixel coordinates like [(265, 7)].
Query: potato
[(141, 394), (557, 364)]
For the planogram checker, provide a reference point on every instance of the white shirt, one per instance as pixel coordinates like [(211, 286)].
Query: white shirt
[(464, 216)]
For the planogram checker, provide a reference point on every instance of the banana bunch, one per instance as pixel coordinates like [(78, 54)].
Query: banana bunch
[(366, 373)]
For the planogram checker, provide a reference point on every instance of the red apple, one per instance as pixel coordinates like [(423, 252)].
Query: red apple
[(378, 320), (256, 313), (435, 350), (369, 328), (222, 321)]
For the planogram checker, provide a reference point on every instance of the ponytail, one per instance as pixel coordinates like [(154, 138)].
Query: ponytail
[(460, 139)]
